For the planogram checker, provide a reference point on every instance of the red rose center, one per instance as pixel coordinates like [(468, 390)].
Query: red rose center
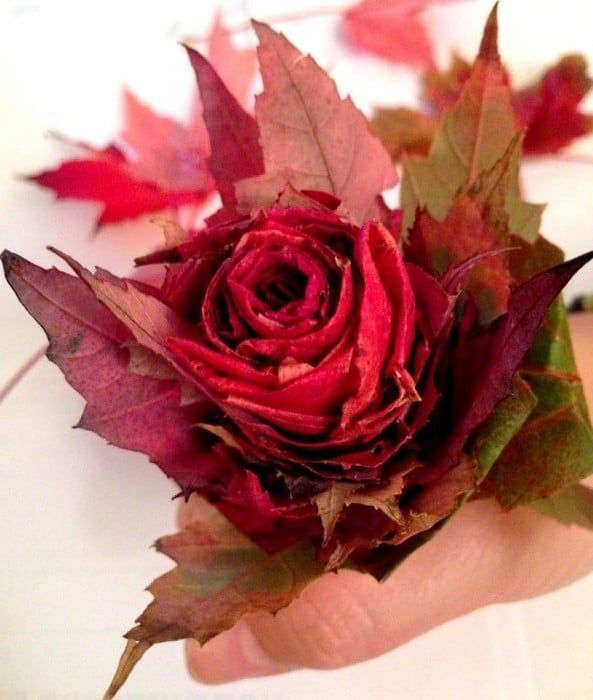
[(281, 285)]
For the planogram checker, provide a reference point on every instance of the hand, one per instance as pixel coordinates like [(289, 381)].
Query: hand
[(482, 556)]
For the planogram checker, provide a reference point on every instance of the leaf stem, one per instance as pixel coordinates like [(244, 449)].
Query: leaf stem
[(21, 372)]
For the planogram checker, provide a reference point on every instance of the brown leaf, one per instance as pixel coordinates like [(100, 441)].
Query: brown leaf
[(330, 503), (312, 138), (403, 130)]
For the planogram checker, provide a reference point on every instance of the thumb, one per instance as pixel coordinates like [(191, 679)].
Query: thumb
[(481, 556)]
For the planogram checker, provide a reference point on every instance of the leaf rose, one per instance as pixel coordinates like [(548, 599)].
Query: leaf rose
[(335, 377)]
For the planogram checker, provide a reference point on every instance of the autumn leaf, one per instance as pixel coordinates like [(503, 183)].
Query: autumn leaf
[(472, 137), (90, 346), (475, 135), (234, 134), (554, 447), (312, 138), (548, 111), (390, 29), (156, 162), (220, 577), (330, 503), (483, 383), (438, 247), (404, 131)]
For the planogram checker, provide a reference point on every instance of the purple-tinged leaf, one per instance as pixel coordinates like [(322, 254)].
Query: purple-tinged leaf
[(131, 411), (490, 359), (234, 134)]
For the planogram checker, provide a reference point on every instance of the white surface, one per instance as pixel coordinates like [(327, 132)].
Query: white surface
[(78, 516)]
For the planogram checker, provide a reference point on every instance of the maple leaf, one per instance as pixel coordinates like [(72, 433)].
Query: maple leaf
[(391, 29), (473, 136), (484, 383), (157, 162), (89, 344), (312, 138), (234, 134), (548, 111), (220, 577)]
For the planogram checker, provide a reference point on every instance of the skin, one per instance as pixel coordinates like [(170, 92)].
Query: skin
[(482, 556)]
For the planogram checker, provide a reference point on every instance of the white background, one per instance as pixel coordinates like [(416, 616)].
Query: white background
[(77, 515)]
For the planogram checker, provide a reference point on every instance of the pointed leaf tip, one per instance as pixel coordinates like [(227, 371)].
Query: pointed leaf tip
[(489, 45), (9, 260)]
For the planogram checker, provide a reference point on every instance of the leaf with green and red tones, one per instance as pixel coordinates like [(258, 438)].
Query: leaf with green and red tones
[(439, 246), (312, 138), (390, 29), (475, 148), (404, 131), (220, 577), (157, 162), (486, 363), (472, 137), (554, 447), (547, 110), (535, 463)]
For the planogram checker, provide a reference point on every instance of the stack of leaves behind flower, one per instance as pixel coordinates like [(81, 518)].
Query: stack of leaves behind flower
[(335, 378)]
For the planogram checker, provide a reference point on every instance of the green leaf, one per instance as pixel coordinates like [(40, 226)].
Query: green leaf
[(220, 577), (504, 423), (554, 448), (474, 135), (571, 506)]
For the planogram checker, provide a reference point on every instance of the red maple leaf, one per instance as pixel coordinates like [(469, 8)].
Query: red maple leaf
[(391, 29), (156, 162)]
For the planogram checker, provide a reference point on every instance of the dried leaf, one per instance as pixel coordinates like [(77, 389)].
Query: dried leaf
[(473, 136), (330, 503), (554, 448), (220, 577), (493, 356), (391, 29), (312, 138), (403, 130), (549, 109), (234, 134), (88, 344), (108, 182), (503, 424)]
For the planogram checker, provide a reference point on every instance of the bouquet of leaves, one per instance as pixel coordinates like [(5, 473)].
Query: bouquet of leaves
[(336, 378)]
